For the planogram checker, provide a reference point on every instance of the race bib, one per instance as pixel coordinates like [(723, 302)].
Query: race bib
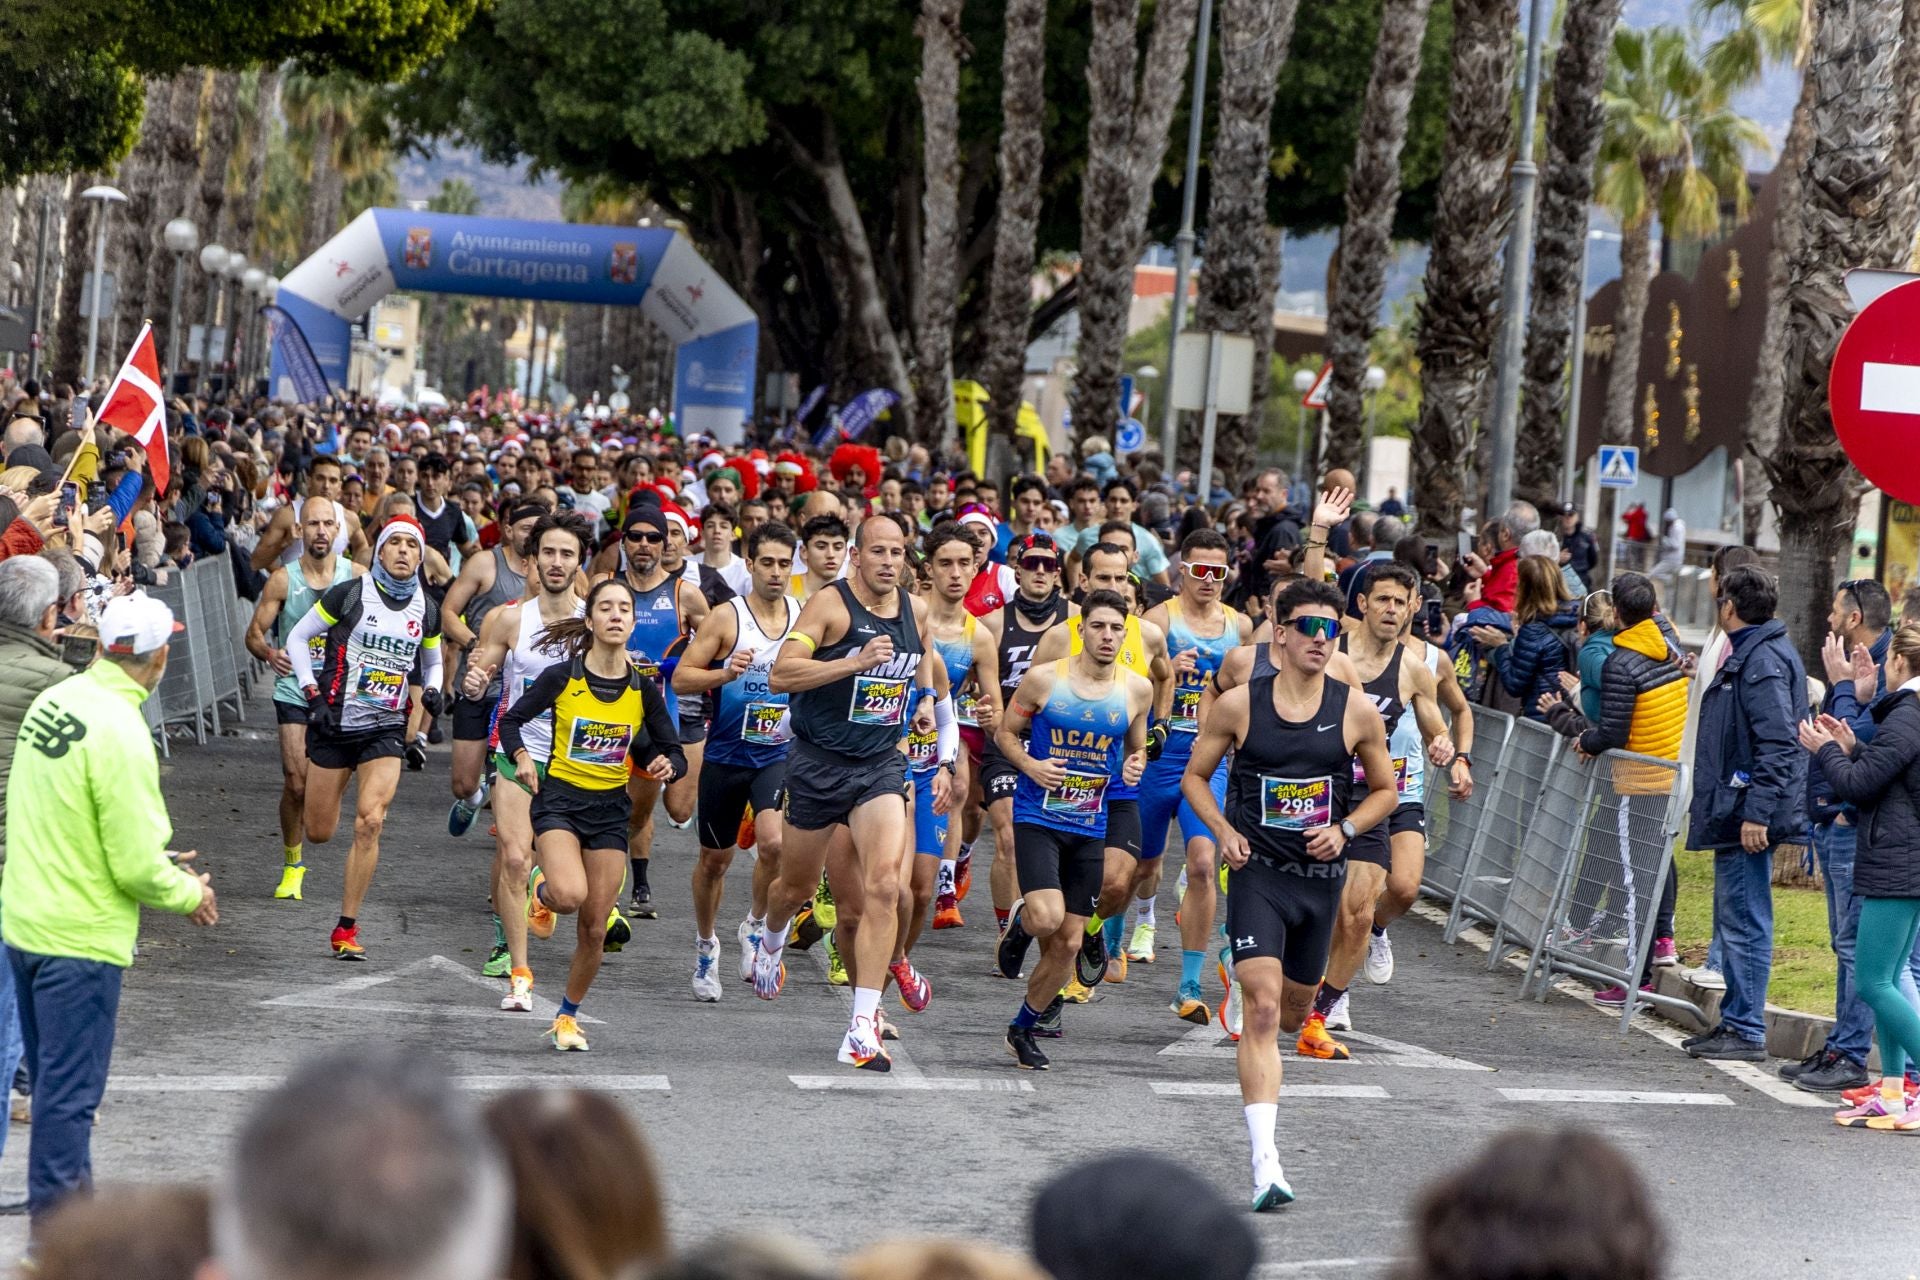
[(1081, 797), (599, 742), (1296, 804), (877, 700), (923, 750), (1399, 773), (317, 652), (760, 723), (386, 690), (644, 665), (1185, 716), (966, 709)]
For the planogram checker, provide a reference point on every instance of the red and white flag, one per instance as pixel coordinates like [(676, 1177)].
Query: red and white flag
[(136, 405)]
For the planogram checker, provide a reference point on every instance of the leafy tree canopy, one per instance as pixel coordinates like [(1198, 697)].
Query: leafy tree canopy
[(75, 113)]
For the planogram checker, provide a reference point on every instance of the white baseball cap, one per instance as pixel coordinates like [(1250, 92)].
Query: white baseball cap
[(136, 623)]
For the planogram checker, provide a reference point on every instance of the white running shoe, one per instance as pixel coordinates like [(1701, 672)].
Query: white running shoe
[(706, 970), (749, 943), (519, 997), (1270, 1187), (769, 971), (861, 1047), (1338, 1019), (1379, 959), (1232, 1015)]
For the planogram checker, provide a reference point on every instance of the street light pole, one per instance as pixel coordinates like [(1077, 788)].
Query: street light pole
[(182, 237), (104, 198), (1183, 253), (235, 269), (1303, 381), (40, 284), (213, 261), (1570, 451), (1519, 265)]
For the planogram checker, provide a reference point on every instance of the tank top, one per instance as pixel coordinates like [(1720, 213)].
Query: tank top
[(1017, 645), (592, 737), (524, 663), (371, 648), (1384, 692), (1183, 722), (860, 716), (746, 714), (1089, 737), (1288, 777), (656, 631), (300, 599), (291, 555), (1133, 654), (507, 587), (1405, 743), (958, 655)]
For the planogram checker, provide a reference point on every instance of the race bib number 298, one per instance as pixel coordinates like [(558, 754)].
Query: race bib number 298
[(1296, 804)]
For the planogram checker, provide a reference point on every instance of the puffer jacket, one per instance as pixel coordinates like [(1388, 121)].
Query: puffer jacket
[(1643, 709), (31, 665), (1882, 778), (1531, 664), (1748, 765)]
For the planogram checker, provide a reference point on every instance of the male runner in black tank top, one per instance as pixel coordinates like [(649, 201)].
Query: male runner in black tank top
[(1284, 836)]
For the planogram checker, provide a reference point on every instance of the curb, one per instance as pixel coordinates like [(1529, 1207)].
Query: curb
[(1791, 1034)]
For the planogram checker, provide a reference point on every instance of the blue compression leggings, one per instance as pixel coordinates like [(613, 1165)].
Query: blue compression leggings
[(1885, 941)]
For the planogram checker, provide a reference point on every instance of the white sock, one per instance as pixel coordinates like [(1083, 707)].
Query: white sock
[(756, 924), (944, 887), (772, 941), (866, 1003), (1146, 910), (1262, 1119), (709, 944), (479, 796)]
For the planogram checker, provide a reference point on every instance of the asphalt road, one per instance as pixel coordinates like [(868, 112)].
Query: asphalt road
[(955, 1139)]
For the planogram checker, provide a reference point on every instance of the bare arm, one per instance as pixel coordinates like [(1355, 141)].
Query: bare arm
[(696, 673), (1027, 701), (356, 536), (476, 578), (1224, 728), (490, 648), (1159, 670), (823, 620), (1232, 673), (986, 676), (277, 538), (273, 598), (1367, 733), (693, 606)]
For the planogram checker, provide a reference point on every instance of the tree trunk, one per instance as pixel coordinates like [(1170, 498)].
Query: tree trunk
[(323, 179), (1366, 245), (942, 47), (1629, 323), (1852, 171), (246, 204), (1023, 110), (173, 198), (215, 159), (131, 239), (10, 203), (1574, 126), (1459, 314), (76, 257), (1127, 135), (1236, 289)]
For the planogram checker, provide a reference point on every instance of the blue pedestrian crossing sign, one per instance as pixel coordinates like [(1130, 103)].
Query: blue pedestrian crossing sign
[(1131, 437), (1619, 466)]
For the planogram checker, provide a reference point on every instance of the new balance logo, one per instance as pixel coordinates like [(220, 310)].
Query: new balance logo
[(52, 735)]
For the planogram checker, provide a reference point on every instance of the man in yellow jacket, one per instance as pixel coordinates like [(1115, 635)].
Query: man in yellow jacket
[(87, 834)]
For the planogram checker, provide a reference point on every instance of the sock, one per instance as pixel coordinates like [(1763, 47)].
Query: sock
[(756, 924), (639, 866), (499, 931), (1262, 1119), (540, 895), (1001, 917), (772, 940), (1379, 931), (346, 922), (709, 944), (1326, 997), (1146, 910), (1116, 931), (1190, 964), (478, 798), (866, 1003), (944, 886), (1093, 924), (568, 1008), (1027, 1019), (292, 852)]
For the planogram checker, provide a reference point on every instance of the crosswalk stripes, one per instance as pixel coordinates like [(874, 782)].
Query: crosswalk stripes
[(1604, 1096)]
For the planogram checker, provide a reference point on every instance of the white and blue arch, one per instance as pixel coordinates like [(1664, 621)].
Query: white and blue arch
[(715, 334)]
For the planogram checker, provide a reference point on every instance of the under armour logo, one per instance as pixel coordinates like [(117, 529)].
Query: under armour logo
[(1242, 944), (51, 735)]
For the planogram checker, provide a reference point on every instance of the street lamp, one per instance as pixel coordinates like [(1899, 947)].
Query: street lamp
[(1303, 380), (213, 261), (105, 198), (250, 281), (183, 237), (235, 271), (263, 366), (1376, 378)]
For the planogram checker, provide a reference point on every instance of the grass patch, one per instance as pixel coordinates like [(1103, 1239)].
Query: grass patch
[(1803, 962)]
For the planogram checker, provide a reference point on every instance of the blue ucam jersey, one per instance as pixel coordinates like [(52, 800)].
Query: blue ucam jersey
[(749, 726), (1183, 721), (1088, 736)]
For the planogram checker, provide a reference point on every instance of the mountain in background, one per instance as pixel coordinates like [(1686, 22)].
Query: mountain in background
[(504, 190)]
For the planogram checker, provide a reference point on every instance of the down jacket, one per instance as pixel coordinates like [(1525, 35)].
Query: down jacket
[(1643, 708), (1531, 663), (1882, 778)]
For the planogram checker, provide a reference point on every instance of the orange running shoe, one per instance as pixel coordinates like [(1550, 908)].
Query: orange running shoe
[(962, 874), (746, 837), (346, 944), (946, 914), (540, 919), (1314, 1042)]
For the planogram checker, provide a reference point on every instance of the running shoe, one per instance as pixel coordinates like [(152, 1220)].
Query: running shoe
[(1026, 1054), (1854, 1097), (1665, 954), (519, 997), (460, 817), (540, 918), (499, 963), (679, 825), (1048, 1026), (565, 1034), (417, 753), (823, 908), (1076, 992), (806, 928), (434, 734), (1232, 1011), (749, 943), (1014, 941), (619, 932), (1899, 1115), (1314, 1042), (1271, 1191), (769, 973), (1568, 936), (946, 913), (861, 1047), (745, 836), (292, 877), (1615, 996), (1116, 967), (1379, 967), (1189, 1007), (642, 903), (706, 970), (1340, 1018), (1141, 947), (963, 873), (346, 944), (915, 990), (836, 967), (1090, 964)]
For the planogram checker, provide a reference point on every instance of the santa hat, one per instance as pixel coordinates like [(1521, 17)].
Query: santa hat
[(797, 466), (676, 514), (711, 461), (401, 526)]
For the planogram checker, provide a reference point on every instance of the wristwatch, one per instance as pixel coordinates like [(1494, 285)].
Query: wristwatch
[(947, 765), (1346, 830), (1462, 757)]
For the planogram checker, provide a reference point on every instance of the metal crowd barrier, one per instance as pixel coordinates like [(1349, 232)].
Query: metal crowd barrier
[(208, 666), (1509, 811), (1452, 824)]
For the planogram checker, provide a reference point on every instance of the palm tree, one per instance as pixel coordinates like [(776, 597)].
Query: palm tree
[(1023, 113), (942, 48), (260, 138), (132, 239), (1462, 302), (1237, 288), (173, 196), (1373, 189), (1128, 127), (1574, 120), (445, 312), (1858, 160)]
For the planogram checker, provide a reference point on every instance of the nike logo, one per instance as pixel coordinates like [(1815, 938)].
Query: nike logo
[(1322, 728)]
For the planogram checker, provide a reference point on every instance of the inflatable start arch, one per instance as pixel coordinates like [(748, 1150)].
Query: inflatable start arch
[(716, 337)]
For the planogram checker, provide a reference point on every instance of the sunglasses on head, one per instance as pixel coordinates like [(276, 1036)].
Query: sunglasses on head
[(1315, 627), (637, 536), (1207, 572), (1039, 564)]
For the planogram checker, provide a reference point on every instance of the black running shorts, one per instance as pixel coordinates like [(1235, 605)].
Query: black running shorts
[(998, 778), (1371, 846), (824, 788), (693, 720), (1072, 862), (725, 792), (1123, 826), (1285, 911), (598, 819), (350, 751), (473, 718), (1408, 817), (289, 712)]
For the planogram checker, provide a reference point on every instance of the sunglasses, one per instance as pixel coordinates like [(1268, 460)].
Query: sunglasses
[(1207, 572), (646, 537), (1314, 627), (1039, 564)]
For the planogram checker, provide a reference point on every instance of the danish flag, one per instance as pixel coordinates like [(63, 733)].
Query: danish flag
[(136, 405)]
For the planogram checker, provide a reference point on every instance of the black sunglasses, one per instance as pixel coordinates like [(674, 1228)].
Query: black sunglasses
[(646, 537)]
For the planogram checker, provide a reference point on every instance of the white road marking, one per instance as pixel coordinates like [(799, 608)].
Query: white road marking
[(480, 1084), (1231, 1089), (1212, 1042), (893, 1082), (1314, 1266), (1648, 1097), (345, 995), (1889, 388)]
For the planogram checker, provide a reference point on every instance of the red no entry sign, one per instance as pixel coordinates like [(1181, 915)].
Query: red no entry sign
[(1873, 392)]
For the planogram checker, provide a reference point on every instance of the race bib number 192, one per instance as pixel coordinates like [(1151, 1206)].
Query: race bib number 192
[(878, 701), (1296, 804)]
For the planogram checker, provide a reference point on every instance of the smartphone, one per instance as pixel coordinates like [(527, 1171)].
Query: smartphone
[(79, 652), (1464, 545), (69, 500), (1433, 559)]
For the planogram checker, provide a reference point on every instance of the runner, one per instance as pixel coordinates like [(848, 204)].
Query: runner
[(609, 720), (289, 593), (280, 542), (925, 843), (675, 559), (1088, 723), (1200, 630), (666, 607), (823, 551), (1284, 832), (746, 767), (374, 628), (510, 658), (969, 648), (849, 661)]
